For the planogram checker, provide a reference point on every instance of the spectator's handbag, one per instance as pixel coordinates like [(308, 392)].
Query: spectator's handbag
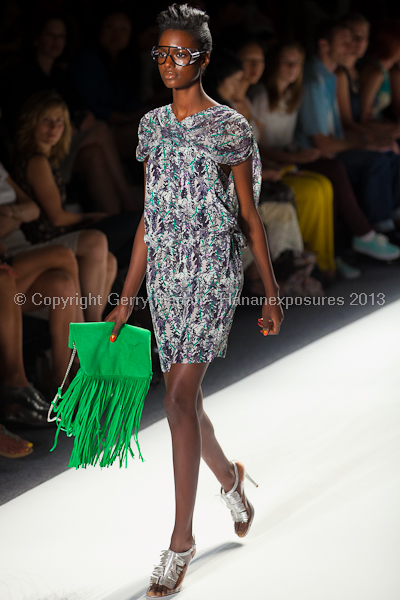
[(103, 404)]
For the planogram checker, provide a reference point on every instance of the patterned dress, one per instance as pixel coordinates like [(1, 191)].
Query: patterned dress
[(194, 271)]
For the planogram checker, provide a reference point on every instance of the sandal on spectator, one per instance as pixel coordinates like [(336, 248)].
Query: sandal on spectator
[(17, 448)]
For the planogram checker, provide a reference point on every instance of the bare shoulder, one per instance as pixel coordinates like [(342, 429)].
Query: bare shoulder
[(38, 166)]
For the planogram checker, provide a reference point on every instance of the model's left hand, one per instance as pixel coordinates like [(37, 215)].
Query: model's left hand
[(272, 317)]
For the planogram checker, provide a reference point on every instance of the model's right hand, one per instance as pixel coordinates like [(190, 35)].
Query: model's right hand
[(119, 316)]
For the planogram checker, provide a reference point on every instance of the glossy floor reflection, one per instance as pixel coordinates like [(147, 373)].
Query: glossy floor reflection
[(318, 430)]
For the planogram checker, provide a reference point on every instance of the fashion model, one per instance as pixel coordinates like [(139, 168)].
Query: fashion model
[(202, 179)]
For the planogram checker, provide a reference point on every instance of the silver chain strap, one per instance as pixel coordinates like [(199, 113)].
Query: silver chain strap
[(71, 360)]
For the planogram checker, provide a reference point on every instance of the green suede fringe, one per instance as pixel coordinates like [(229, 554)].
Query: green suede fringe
[(102, 418)]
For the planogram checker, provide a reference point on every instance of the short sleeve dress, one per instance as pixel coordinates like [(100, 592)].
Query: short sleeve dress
[(194, 273)]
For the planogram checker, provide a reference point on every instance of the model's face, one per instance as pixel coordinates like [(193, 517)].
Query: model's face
[(340, 47), (115, 33), (50, 127), (290, 65), (174, 76), (252, 57), (51, 41), (228, 88), (359, 39)]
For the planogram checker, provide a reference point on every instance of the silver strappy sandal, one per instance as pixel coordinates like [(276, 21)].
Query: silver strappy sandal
[(171, 570), (233, 499)]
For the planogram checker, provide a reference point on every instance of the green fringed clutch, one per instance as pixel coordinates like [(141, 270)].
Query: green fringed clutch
[(103, 404)]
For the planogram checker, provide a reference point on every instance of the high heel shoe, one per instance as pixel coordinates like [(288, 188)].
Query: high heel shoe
[(233, 499), (171, 571)]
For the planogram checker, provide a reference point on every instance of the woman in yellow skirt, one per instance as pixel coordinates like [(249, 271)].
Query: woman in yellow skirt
[(314, 202)]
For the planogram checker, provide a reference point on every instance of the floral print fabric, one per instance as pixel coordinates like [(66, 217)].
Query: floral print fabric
[(194, 272)]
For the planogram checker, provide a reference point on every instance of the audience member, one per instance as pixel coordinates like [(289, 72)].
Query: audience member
[(224, 76), (45, 269), (107, 80), (42, 139), (275, 107), (93, 152), (374, 174), (277, 203), (44, 126), (348, 86), (384, 53)]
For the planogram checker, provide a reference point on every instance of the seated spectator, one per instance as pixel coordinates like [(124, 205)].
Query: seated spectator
[(224, 76), (42, 140), (383, 54), (106, 79), (93, 152), (39, 116), (275, 121), (374, 174), (276, 208), (348, 86), (46, 269), (44, 272)]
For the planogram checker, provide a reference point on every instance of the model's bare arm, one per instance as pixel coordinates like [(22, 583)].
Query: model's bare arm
[(136, 272), (253, 229)]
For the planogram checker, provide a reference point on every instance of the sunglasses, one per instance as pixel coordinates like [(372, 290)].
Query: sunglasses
[(181, 56)]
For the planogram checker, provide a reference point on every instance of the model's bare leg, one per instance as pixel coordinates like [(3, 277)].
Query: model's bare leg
[(211, 451), (215, 458), (180, 403)]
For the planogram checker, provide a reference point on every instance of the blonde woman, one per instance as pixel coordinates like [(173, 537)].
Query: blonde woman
[(43, 138)]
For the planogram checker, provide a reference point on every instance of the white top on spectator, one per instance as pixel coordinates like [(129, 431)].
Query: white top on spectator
[(277, 127), (7, 192)]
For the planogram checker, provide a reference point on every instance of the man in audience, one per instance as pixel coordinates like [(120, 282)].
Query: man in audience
[(373, 171)]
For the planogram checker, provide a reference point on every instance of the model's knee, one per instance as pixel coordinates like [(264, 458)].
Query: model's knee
[(178, 406)]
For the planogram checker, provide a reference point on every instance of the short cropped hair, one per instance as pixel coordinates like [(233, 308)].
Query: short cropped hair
[(327, 29), (194, 21), (354, 18)]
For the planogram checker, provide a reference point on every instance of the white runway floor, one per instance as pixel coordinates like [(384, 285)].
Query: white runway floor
[(322, 440)]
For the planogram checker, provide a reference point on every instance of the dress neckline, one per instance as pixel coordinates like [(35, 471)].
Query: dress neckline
[(194, 114)]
